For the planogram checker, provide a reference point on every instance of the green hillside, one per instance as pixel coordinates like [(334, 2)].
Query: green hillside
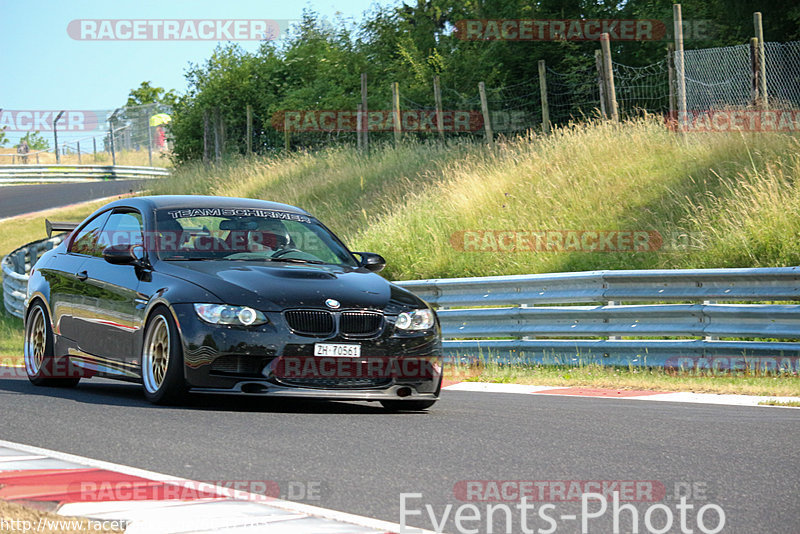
[(702, 200)]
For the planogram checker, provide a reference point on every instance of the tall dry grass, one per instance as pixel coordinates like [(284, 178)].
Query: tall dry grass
[(124, 157), (717, 199)]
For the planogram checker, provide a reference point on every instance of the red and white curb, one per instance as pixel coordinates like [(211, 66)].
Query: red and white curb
[(56, 481), (700, 398)]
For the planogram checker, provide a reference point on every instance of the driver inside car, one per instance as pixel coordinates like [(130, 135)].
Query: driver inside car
[(266, 235)]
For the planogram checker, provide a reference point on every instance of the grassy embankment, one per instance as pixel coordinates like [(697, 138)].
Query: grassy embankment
[(717, 200)]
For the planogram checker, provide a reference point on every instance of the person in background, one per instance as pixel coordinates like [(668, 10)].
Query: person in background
[(22, 150), (161, 139)]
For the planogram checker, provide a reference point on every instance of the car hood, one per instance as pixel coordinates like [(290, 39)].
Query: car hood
[(274, 287)]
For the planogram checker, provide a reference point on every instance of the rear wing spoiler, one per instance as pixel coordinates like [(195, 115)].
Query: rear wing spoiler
[(53, 226)]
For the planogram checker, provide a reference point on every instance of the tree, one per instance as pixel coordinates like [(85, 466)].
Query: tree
[(318, 66), (147, 94), (3, 138)]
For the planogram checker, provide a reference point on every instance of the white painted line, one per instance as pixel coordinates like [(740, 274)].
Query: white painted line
[(491, 387), (20, 457), (712, 398), (699, 398), (43, 463), (297, 508)]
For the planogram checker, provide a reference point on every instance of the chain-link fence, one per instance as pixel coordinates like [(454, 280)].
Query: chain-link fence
[(139, 128), (574, 95), (642, 88), (783, 74), (716, 78), (140, 133)]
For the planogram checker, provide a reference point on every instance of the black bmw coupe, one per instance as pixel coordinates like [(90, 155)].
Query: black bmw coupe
[(226, 295)]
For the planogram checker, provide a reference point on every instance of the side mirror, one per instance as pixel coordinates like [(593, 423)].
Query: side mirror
[(371, 261), (122, 254)]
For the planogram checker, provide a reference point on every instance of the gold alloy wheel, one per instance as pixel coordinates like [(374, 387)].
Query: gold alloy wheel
[(155, 359), (35, 342)]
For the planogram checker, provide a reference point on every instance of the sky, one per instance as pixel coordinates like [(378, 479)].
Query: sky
[(44, 68)]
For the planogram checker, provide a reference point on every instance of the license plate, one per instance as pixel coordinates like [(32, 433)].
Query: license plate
[(337, 350)]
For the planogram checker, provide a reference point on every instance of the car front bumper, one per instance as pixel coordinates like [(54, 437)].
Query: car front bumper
[(260, 360)]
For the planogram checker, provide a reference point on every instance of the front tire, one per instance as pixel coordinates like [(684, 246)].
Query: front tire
[(40, 362), (162, 361)]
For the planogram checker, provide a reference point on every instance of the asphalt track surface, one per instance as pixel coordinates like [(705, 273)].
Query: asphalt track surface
[(359, 458), (19, 199)]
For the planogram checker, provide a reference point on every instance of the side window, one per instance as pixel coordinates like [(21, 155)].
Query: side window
[(123, 227), (86, 241)]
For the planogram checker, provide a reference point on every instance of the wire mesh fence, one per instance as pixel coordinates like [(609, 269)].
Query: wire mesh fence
[(718, 77), (783, 74), (140, 133), (573, 95), (642, 88)]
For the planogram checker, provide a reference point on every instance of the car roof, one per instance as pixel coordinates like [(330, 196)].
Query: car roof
[(200, 201)]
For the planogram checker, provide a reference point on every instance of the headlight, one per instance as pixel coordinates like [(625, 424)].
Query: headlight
[(231, 315), (415, 320)]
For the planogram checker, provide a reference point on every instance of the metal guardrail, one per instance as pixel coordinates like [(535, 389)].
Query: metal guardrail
[(16, 266), (45, 172), (671, 317)]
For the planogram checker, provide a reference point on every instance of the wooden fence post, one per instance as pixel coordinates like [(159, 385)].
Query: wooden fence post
[(608, 71), (671, 80), (396, 113), (359, 118), (762, 63), (365, 113), (485, 110), (206, 138), (249, 143), (543, 96), (437, 97), (598, 63), (680, 68), (217, 138), (287, 134)]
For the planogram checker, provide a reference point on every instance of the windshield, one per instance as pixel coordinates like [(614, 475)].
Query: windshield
[(246, 235)]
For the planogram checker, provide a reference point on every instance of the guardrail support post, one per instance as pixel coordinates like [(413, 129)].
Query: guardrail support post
[(705, 320), (612, 303)]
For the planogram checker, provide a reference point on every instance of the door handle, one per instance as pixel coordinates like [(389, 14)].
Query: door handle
[(82, 276)]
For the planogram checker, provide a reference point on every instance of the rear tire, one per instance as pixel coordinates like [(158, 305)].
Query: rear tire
[(40, 362), (407, 406), (162, 361)]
